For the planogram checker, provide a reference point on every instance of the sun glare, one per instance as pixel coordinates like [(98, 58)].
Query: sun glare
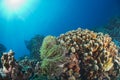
[(17, 8), (14, 5)]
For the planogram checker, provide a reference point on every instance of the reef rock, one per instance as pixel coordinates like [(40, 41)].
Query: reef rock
[(34, 45)]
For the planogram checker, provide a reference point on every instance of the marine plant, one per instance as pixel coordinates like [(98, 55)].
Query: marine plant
[(51, 55), (48, 42)]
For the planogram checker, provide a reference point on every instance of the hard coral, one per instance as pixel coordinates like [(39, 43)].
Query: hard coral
[(112, 28), (87, 56), (94, 54), (2, 49), (11, 69)]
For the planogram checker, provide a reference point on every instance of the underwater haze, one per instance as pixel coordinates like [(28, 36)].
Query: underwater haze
[(50, 17)]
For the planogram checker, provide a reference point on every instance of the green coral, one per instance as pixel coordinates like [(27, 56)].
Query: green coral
[(48, 42), (51, 54)]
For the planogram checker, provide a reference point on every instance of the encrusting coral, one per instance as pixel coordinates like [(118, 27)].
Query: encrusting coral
[(87, 56)]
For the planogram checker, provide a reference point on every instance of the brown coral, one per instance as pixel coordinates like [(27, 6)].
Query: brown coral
[(12, 70), (91, 55)]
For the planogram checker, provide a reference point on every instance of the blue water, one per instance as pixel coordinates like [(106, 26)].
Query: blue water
[(53, 17)]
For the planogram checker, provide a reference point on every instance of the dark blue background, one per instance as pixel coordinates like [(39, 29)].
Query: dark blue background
[(53, 17)]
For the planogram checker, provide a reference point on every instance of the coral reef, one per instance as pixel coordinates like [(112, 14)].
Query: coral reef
[(76, 55), (112, 28), (2, 49), (32, 64), (87, 56), (34, 45), (12, 70), (94, 53)]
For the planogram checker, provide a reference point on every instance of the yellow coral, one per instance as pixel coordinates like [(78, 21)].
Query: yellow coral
[(108, 65)]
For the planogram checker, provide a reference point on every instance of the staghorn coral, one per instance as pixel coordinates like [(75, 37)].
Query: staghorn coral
[(34, 45)]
